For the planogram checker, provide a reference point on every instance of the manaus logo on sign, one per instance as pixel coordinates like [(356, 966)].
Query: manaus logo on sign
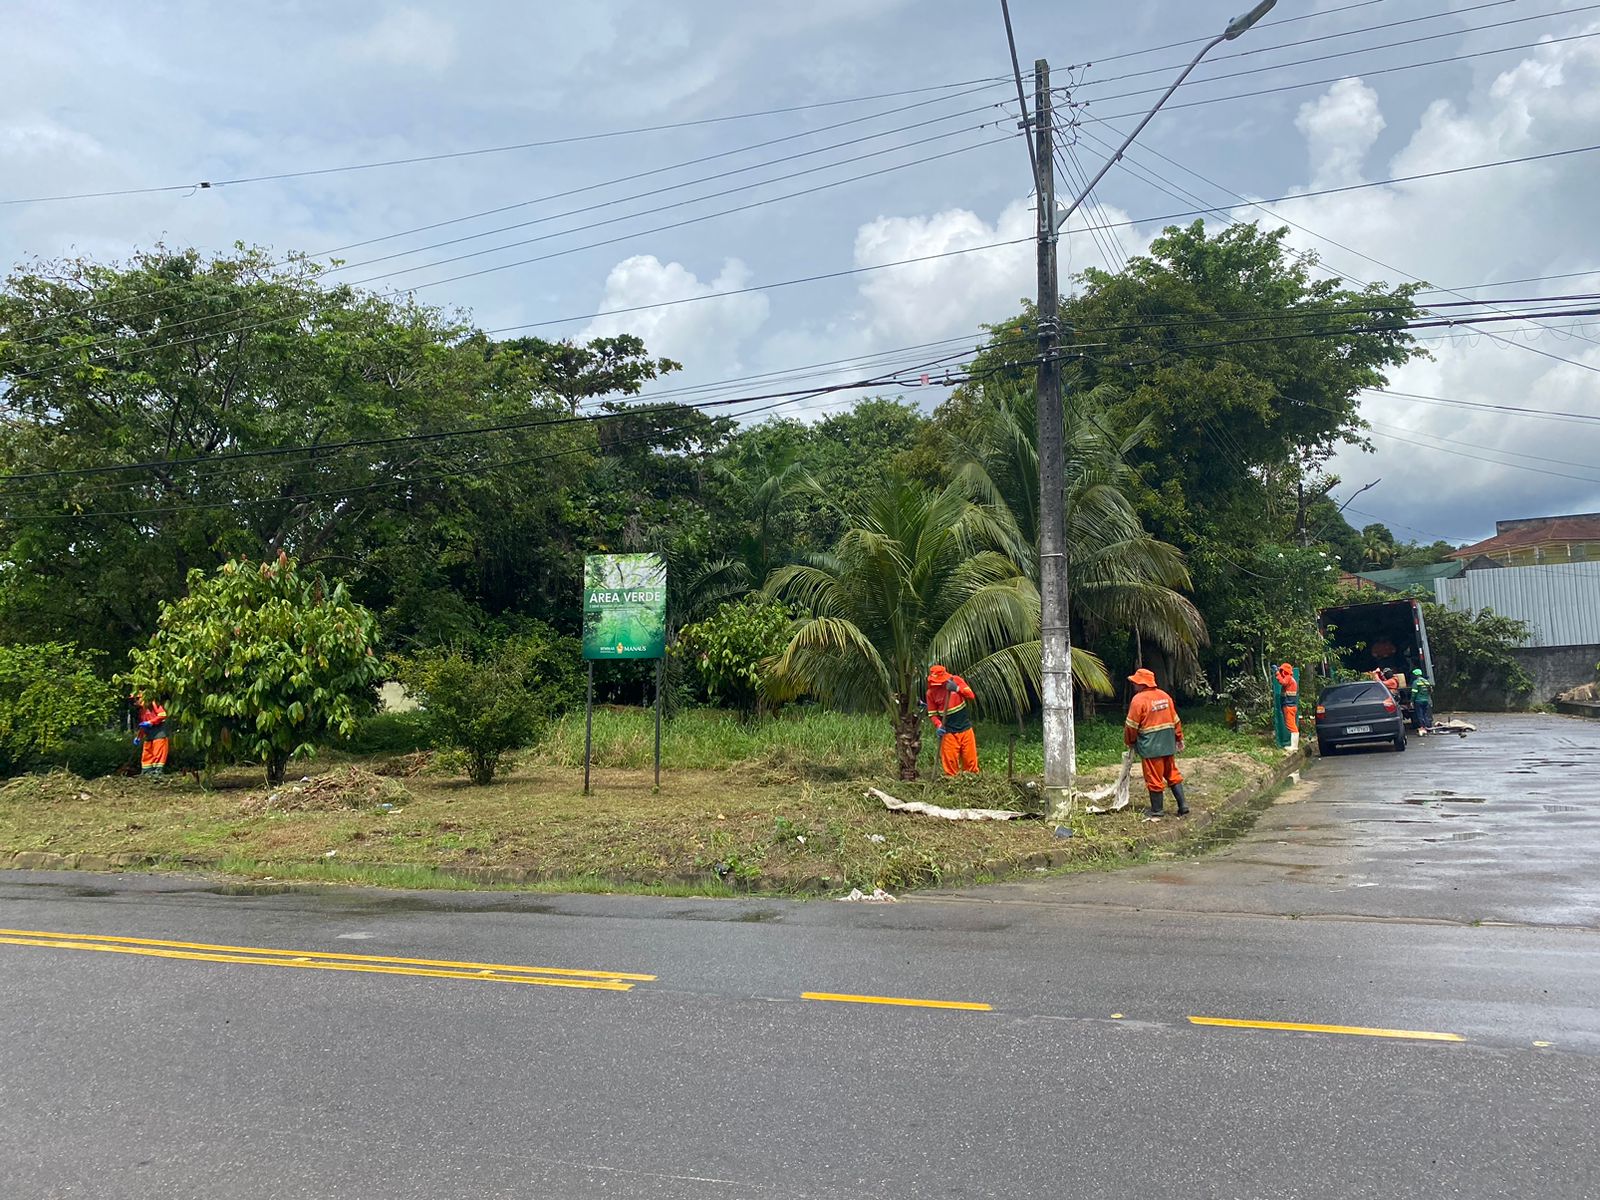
[(624, 606)]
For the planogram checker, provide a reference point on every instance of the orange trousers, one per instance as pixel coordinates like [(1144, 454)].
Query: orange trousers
[(959, 752), (1291, 715), (1160, 773), (153, 756)]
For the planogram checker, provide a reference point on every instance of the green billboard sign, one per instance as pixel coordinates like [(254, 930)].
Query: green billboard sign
[(624, 606)]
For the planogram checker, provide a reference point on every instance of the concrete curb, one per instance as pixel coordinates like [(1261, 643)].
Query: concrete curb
[(1243, 798)]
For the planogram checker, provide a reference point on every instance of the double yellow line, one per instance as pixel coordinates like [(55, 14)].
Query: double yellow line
[(261, 956)]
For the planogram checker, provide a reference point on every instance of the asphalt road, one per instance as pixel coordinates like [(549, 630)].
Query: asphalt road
[(688, 1062)]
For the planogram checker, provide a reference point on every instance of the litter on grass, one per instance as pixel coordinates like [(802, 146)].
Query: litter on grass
[(1117, 792)]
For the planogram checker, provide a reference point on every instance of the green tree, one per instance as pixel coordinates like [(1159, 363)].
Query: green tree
[(1472, 653), (48, 694), (730, 652), (919, 576), (260, 660), (483, 707), (1377, 546), (218, 372), (1121, 577), (1245, 373)]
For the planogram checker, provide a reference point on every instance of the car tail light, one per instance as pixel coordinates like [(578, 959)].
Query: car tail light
[(1389, 705), (1321, 711)]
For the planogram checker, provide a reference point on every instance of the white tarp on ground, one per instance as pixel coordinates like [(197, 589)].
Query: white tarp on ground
[(1117, 793), (1094, 802), (949, 814)]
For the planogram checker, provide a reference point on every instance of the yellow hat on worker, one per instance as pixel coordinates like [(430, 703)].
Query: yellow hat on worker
[(1144, 677)]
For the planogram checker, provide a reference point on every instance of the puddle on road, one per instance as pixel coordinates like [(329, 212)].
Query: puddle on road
[(1561, 808), (1464, 836), (1441, 798)]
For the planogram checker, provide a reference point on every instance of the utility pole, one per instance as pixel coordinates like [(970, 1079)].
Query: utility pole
[(1060, 748)]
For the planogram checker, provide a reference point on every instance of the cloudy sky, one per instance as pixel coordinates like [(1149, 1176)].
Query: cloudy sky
[(624, 133)]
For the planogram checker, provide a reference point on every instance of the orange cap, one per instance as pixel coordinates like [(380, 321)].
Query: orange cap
[(937, 675), (1286, 669), (1144, 677)]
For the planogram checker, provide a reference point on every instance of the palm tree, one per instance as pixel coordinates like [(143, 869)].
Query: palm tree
[(919, 576), (1121, 577), (760, 494)]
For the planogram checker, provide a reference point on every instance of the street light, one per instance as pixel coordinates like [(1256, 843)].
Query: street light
[(1235, 27), (1060, 749)]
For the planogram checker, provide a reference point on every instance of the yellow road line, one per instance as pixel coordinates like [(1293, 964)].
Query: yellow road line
[(314, 964), (843, 999), (1356, 1030), (372, 958)]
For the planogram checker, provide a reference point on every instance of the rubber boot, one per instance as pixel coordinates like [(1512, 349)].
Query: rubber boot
[(1157, 799), (1183, 805)]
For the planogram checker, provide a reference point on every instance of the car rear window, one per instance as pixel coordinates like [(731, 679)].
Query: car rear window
[(1346, 692)]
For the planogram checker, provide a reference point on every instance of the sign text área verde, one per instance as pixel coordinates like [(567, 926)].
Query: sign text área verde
[(624, 606)]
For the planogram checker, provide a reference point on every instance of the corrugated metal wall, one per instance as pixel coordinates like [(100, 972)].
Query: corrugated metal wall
[(1559, 602)]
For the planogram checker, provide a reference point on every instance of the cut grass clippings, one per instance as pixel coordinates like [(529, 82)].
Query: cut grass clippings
[(776, 806)]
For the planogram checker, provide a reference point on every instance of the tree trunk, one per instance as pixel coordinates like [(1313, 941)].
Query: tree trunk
[(277, 761), (907, 743)]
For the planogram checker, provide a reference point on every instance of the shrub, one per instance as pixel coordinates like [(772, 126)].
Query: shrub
[(1472, 653), (90, 756), (482, 707), (389, 733), (262, 660), (727, 652), (48, 693)]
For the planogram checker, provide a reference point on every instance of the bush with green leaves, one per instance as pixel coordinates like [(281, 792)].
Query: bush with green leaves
[(728, 653), (260, 660), (1472, 655), (49, 693), (483, 707)]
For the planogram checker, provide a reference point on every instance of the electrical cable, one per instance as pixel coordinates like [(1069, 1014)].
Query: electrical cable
[(853, 271), (1261, 205), (1366, 74), (1195, 41), (1302, 62), (323, 270), (458, 154)]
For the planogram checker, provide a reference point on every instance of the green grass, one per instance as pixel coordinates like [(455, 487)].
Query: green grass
[(774, 806), (830, 745)]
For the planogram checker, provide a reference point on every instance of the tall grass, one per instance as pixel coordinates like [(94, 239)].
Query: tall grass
[(813, 741)]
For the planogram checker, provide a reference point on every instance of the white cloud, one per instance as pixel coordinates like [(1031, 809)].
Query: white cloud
[(406, 37), (1460, 230), (945, 296), (1339, 128), (704, 335)]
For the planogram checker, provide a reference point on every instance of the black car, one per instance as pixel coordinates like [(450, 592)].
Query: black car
[(1352, 714)]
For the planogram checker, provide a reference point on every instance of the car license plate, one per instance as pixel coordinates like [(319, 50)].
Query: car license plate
[(1358, 729)]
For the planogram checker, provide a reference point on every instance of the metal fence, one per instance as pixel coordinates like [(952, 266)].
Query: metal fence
[(1560, 603)]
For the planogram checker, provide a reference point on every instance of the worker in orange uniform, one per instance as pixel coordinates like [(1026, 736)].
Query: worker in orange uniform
[(1155, 733), (947, 707), (151, 738), (1290, 692)]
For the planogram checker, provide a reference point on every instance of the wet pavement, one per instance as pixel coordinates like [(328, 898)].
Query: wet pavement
[(1429, 1027), (1499, 826)]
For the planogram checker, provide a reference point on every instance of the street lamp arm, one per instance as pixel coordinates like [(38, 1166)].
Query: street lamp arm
[(1235, 27)]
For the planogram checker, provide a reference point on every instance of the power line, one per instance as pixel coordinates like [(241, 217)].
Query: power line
[(1366, 74), (457, 154), (327, 451), (1261, 205), (1195, 41), (1302, 62), (1268, 49), (79, 347), (1554, 415), (323, 270), (853, 271)]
